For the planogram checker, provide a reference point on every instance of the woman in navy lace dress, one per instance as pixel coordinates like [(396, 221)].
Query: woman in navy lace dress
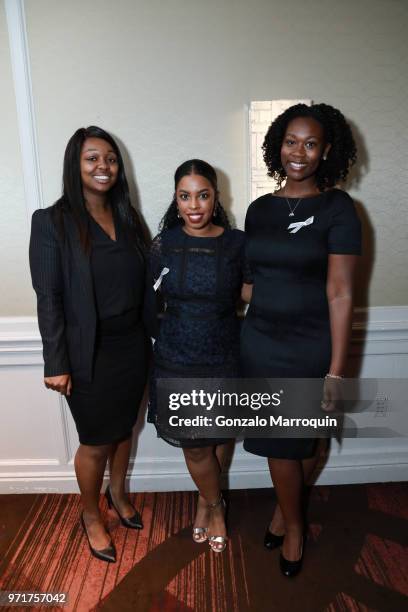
[(199, 334)]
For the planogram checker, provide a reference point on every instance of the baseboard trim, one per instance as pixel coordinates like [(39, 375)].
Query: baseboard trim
[(171, 474)]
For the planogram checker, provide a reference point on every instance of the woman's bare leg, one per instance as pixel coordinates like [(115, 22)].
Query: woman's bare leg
[(287, 476), (277, 525), (118, 467), (222, 452), (204, 468), (90, 463)]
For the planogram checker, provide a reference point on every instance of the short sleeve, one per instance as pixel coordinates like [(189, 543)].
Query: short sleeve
[(247, 274), (155, 257), (152, 303), (344, 236)]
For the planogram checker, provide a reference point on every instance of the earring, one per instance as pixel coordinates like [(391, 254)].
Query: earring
[(215, 211), (324, 157), (178, 214)]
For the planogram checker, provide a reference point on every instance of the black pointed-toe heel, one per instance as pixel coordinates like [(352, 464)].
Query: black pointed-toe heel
[(133, 522), (272, 541), (291, 568), (107, 554)]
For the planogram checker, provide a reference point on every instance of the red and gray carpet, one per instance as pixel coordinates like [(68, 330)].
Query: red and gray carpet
[(356, 556)]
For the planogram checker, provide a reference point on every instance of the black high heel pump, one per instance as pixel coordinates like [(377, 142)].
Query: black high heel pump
[(133, 522), (291, 568), (107, 554), (272, 541)]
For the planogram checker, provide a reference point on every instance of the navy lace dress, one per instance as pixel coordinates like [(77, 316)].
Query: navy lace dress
[(199, 333)]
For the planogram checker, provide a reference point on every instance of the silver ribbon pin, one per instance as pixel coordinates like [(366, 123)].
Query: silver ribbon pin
[(159, 280), (295, 227)]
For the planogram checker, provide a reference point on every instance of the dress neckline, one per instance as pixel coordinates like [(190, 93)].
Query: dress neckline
[(312, 197), (99, 226), (201, 237)]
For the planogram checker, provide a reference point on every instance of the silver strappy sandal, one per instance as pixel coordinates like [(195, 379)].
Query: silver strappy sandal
[(200, 534), (217, 543)]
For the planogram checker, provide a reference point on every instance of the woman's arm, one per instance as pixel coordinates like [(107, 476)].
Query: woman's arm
[(246, 292), (339, 289), (46, 274), (153, 304)]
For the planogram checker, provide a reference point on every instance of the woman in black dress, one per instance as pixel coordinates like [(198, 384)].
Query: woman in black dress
[(299, 320), (199, 334), (88, 269)]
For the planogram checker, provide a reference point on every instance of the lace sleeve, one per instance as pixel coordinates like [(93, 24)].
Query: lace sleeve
[(155, 257), (247, 274), (248, 277), (153, 303)]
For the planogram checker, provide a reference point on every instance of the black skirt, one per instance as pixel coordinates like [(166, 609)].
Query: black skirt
[(105, 410), (264, 349)]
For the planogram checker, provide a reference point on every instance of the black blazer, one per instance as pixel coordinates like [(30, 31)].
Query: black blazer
[(62, 279)]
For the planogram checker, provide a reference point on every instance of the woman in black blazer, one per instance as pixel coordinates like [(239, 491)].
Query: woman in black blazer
[(88, 269)]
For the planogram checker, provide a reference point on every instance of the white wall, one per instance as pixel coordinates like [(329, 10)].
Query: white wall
[(170, 79), (16, 295)]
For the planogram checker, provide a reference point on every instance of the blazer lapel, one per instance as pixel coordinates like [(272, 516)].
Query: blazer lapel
[(81, 260)]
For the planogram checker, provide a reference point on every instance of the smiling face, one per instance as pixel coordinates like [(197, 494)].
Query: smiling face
[(99, 167), (195, 198), (302, 149)]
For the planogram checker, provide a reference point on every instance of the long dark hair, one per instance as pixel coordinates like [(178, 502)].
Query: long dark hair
[(73, 201), (337, 132), (202, 168)]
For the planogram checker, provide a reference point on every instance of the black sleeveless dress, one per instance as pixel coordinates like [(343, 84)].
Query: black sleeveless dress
[(286, 333)]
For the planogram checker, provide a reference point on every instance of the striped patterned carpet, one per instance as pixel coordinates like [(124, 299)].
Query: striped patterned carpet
[(356, 556)]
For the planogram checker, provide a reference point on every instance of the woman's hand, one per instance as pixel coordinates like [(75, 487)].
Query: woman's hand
[(61, 383), (246, 293), (331, 394)]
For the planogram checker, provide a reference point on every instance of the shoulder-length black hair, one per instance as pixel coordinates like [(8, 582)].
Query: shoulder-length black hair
[(202, 168), (337, 132), (73, 201)]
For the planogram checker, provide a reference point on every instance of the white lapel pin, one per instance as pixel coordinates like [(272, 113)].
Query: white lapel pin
[(159, 280), (295, 227)]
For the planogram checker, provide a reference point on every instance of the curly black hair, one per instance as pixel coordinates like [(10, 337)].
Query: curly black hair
[(337, 132), (202, 168)]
